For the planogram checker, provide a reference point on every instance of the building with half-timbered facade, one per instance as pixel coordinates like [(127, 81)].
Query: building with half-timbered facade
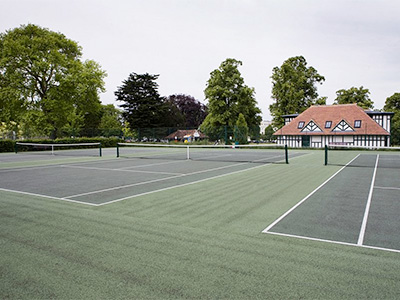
[(344, 124)]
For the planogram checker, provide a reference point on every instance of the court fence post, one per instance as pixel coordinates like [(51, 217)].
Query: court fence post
[(286, 154)]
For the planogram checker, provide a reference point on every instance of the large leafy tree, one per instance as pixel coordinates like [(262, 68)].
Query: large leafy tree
[(354, 95), (228, 96), (42, 77), (142, 104), (294, 88), (192, 110), (392, 104)]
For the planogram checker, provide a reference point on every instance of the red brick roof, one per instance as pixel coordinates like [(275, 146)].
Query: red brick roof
[(180, 134), (319, 114)]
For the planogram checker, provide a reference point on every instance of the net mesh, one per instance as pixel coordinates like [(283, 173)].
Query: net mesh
[(356, 156), (228, 153), (78, 149)]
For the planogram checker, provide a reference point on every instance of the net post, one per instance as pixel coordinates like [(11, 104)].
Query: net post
[(16, 147), (326, 155), (100, 149), (187, 152), (117, 150), (286, 155)]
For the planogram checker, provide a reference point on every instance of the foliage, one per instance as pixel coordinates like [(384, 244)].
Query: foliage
[(392, 104), (269, 131), (192, 110), (143, 106), (293, 88), (354, 95), (41, 72), (111, 121), (228, 96), (241, 131)]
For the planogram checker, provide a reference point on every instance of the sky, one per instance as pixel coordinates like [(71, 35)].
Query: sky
[(352, 43)]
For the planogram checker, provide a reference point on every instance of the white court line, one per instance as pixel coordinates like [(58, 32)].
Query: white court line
[(119, 170), (333, 242), (48, 197), (181, 185), (387, 188), (266, 230), (156, 164), (367, 207), (150, 181), (27, 168)]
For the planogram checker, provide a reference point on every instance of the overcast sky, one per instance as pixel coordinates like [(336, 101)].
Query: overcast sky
[(350, 42)]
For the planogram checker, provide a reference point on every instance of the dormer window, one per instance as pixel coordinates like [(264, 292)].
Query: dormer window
[(328, 124), (300, 125), (357, 124)]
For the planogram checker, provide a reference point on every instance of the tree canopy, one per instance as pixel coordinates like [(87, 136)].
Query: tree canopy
[(43, 82), (227, 97), (392, 104), (192, 110), (354, 95), (294, 88)]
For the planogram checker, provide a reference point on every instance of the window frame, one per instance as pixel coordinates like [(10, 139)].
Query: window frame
[(357, 123), (300, 125), (326, 124)]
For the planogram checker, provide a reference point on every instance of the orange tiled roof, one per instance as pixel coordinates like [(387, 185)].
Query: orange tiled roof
[(319, 114)]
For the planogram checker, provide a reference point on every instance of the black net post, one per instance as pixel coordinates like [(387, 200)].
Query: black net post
[(117, 150), (286, 154), (16, 148), (326, 155), (100, 149)]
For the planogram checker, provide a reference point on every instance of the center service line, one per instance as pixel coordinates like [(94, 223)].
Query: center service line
[(366, 213)]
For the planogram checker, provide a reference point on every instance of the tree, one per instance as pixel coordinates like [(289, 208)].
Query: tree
[(228, 96), (241, 131), (192, 110), (354, 95), (392, 104), (293, 88), (143, 106), (41, 71), (269, 133), (111, 121)]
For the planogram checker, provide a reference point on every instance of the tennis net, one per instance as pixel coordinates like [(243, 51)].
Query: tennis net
[(78, 149), (228, 153), (357, 156)]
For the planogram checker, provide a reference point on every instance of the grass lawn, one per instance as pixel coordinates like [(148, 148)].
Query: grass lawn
[(198, 241)]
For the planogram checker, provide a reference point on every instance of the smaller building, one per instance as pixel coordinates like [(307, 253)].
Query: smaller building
[(345, 124), (264, 124), (186, 135)]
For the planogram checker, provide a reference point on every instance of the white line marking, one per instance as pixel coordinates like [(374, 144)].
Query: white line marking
[(150, 181), (387, 188), (181, 185), (156, 164), (366, 213), (26, 168), (119, 170), (333, 242), (48, 197), (308, 196)]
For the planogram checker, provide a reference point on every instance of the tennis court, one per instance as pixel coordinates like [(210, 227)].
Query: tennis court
[(153, 224), (138, 171), (358, 205)]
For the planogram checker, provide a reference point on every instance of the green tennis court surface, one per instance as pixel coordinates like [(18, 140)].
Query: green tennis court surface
[(103, 181), (75, 227), (358, 206)]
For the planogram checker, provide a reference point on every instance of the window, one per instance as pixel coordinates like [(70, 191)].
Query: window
[(357, 123), (300, 125), (328, 124)]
